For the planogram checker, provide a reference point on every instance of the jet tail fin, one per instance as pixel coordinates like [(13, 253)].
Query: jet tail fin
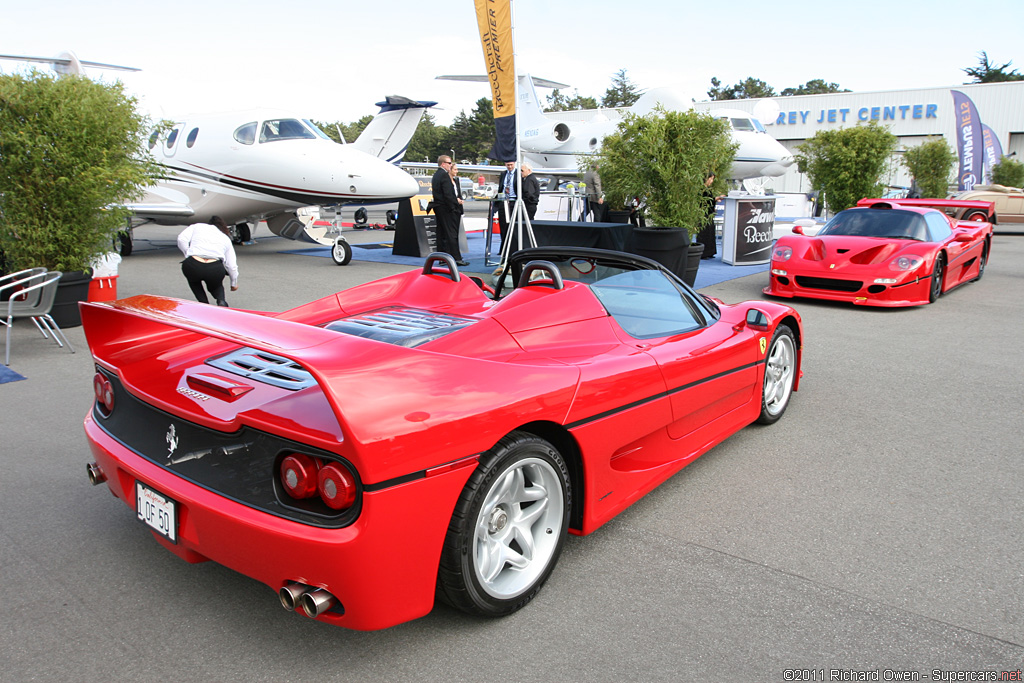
[(388, 134)]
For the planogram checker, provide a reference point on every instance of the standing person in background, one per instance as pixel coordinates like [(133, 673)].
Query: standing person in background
[(706, 236), (209, 256), (447, 207), (531, 191), (506, 187), (595, 194)]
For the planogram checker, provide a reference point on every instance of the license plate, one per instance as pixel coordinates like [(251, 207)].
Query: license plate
[(157, 510)]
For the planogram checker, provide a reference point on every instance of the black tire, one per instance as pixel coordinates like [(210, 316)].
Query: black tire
[(484, 526), (341, 252), (935, 288), (780, 368), (983, 262), (244, 232), (124, 243), (979, 216)]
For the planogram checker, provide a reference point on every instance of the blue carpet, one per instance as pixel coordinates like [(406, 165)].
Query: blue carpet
[(711, 271), (8, 375)]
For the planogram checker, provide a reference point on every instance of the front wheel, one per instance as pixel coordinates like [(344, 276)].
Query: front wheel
[(779, 376), (341, 252), (507, 529), (982, 262), (936, 285)]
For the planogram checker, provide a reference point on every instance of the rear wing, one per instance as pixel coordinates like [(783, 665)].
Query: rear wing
[(953, 207)]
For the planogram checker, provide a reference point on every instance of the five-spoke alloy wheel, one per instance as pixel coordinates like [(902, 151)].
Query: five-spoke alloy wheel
[(779, 375), (508, 528)]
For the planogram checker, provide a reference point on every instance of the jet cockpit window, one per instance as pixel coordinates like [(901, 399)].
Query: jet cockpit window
[(284, 129), (743, 125), (757, 124), (246, 134), (316, 129), (191, 139)]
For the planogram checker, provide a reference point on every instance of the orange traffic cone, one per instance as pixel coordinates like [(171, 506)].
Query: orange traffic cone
[(495, 226)]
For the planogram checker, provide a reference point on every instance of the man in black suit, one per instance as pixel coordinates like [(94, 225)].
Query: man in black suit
[(446, 208), (531, 191), (507, 187)]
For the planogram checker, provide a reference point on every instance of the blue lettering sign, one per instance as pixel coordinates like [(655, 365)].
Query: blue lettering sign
[(831, 115), (782, 119), (876, 113), (792, 117), (932, 112), (803, 116), (862, 114), (888, 113), (918, 111), (903, 110), (844, 112)]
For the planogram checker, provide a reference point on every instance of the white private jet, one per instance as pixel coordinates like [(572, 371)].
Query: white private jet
[(264, 165), (555, 147)]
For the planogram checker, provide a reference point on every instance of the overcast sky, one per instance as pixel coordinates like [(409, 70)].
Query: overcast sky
[(332, 60)]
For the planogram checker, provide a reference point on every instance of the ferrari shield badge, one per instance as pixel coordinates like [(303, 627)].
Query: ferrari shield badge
[(763, 341)]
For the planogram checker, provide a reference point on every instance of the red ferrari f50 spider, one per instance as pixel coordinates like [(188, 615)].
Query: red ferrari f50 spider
[(419, 436)]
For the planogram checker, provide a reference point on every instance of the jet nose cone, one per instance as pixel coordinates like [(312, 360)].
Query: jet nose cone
[(382, 180)]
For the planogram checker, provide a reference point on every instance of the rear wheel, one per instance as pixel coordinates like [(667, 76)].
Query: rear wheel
[(779, 375), (979, 216), (507, 529), (341, 252), (936, 286), (983, 262)]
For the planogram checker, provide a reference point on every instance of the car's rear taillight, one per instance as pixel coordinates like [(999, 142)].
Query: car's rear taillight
[(299, 475), (337, 487), (104, 391)]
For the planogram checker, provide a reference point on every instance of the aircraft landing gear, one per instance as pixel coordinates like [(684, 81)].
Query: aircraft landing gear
[(341, 252), (240, 233), (123, 242)]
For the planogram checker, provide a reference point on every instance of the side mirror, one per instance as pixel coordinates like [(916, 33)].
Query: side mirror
[(758, 320), (803, 224)]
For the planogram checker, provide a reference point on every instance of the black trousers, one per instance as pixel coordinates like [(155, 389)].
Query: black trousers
[(210, 274), (448, 233)]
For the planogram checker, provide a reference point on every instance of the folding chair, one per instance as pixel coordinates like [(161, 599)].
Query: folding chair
[(32, 297)]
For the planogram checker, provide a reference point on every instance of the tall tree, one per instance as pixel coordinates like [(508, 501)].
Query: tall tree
[(847, 164), (746, 89), (351, 131), (557, 101), (815, 86), (622, 93), (988, 72), (471, 136)]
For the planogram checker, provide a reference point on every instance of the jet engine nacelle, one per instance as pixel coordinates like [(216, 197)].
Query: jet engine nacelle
[(547, 137)]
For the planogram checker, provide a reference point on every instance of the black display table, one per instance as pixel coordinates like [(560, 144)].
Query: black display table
[(614, 236)]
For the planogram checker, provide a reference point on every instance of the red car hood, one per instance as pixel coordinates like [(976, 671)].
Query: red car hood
[(865, 251)]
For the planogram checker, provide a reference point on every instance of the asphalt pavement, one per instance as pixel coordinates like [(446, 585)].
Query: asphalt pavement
[(875, 530)]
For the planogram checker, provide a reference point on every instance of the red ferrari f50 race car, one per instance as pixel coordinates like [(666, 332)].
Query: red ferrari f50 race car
[(421, 436), (882, 253)]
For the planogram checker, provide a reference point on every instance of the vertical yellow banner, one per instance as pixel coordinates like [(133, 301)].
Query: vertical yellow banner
[(494, 19)]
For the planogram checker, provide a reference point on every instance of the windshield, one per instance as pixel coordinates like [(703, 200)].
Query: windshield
[(284, 129), (888, 223)]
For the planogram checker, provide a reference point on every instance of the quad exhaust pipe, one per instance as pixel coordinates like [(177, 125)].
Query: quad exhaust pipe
[(311, 600)]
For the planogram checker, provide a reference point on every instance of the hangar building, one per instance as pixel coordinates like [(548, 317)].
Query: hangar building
[(912, 115)]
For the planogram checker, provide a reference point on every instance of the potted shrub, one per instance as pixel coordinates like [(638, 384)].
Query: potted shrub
[(665, 158), (71, 153)]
